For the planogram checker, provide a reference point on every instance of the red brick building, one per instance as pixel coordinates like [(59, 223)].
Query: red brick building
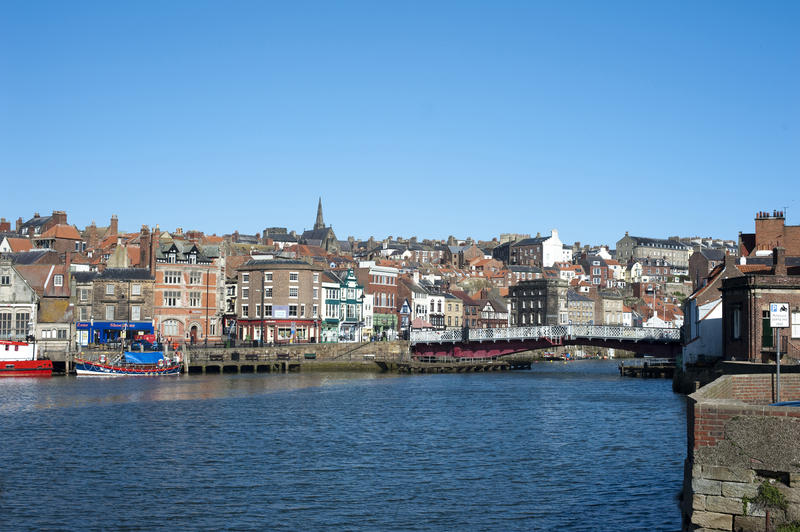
[(747, 334)]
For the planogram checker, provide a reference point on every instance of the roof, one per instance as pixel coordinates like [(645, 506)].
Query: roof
[(532, 241), (658, 242), (40, 277), (62, 231), (19, 244), (48, 256), (126, 274), (419, 323), (713, 253), (183, 250), (55, 311), (84, 277)]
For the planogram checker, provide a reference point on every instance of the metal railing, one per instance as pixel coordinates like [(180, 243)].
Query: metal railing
[(550, 332)]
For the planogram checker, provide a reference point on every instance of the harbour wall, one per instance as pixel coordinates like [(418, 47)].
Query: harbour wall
[(741, 453)]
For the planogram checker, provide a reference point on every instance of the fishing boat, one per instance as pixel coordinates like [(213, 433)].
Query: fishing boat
[(18, 359), (142, 364)]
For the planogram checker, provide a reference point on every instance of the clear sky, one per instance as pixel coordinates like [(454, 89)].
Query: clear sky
[(430, 118)]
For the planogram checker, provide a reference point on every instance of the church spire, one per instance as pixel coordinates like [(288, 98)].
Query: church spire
[(319, 224)]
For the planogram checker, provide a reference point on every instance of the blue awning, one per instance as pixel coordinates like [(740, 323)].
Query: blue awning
[(150, 357)]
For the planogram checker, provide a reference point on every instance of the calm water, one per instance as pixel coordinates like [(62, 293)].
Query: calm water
[(561, 447)]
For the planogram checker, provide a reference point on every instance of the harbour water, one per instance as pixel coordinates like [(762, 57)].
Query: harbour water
[(564, 446)]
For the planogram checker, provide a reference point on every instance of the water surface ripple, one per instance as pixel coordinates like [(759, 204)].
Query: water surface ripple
[(561, 447)]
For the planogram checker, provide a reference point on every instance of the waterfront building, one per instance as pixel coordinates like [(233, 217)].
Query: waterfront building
[(278, 300), (119, 302), (380, 281), (453, 311), (746, 331), (580, 308), (188, 288), (343, 315), (539, 302), (54, 315), (18, 304)]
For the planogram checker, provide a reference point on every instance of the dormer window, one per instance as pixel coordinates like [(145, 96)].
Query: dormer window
[(58, 280), (172, 257), (193, 258)]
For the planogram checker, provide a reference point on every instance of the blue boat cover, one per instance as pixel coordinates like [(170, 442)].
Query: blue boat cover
[(149, 357)]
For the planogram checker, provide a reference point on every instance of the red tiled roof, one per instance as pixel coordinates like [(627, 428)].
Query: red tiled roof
[(19, 244), (62, 231)]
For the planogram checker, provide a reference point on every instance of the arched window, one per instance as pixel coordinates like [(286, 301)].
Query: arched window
[(170, 328)]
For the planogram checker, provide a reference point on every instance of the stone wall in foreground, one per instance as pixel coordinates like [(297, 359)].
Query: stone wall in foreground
[(736, 442)]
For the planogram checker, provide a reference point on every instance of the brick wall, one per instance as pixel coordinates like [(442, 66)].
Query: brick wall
[(736, 441)]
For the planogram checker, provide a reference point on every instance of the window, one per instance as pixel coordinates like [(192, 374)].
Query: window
[(736, 317), (293, 311), (5, 280), (109, 312), (171, 277), (258, 311), (194, 299), (316, 293), (267, 311), (109, 289), (796, 324), (58, 280), (302, 311), (170, 328), (245, 310), (83, 294), (766, 330), (245, 293), (315, 311), (83, 313), (61, 334), (212, 328), (5, 324), (245, 277), (22, 323), (172, 298), (193, 258), (136, 289), (293, 276), (195, 277), (172, 258), (268, 276), (316, 277), (136, 312), (268, 291), (293, 291)]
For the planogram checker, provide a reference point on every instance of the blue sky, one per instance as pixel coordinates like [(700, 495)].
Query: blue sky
[(426, 118)]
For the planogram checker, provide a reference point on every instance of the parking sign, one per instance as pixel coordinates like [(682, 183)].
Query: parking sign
[(778, 315)]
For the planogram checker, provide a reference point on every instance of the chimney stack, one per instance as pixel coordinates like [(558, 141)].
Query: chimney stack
[(5, 226), (19, 224), (779, 261), (113, 227), (60, 217)]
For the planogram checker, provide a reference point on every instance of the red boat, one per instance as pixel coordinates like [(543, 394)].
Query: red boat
[(18, 359)]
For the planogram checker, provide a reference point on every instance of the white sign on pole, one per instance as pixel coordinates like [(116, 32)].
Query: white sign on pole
[(778, 315)]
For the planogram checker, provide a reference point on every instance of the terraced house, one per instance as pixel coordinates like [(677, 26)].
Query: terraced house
[(188, 292), (279, 301)]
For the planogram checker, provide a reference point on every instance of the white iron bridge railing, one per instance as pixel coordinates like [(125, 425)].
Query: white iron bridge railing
[(552, 332)]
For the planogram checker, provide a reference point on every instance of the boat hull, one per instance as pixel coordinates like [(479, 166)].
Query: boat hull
[(88, 368), (26, 368)]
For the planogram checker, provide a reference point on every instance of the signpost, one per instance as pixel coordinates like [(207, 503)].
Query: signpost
[(778, 318)]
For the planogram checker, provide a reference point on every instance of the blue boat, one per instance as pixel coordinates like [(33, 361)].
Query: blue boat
[(143, 364)]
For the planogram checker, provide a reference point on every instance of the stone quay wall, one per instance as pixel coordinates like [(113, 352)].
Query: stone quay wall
[(736, 443)]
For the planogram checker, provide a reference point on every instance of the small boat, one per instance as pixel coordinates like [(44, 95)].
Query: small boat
[(18, 359), (141, 364)]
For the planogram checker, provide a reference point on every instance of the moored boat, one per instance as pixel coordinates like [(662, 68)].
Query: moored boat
[(129, 364), (18, 359)]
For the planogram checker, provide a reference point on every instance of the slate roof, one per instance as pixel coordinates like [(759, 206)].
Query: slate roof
[(183, 250), (531, 241), (572, 295), (658, 242), (126, 274), (84, 277), (713, 253), (33, 256)]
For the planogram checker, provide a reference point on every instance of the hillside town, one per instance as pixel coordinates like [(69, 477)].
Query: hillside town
[(67, 287)]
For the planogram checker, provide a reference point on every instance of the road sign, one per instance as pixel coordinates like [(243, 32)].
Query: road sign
[(778, 315)]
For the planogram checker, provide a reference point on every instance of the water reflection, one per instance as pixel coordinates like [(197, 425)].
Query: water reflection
[(18, 395)]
